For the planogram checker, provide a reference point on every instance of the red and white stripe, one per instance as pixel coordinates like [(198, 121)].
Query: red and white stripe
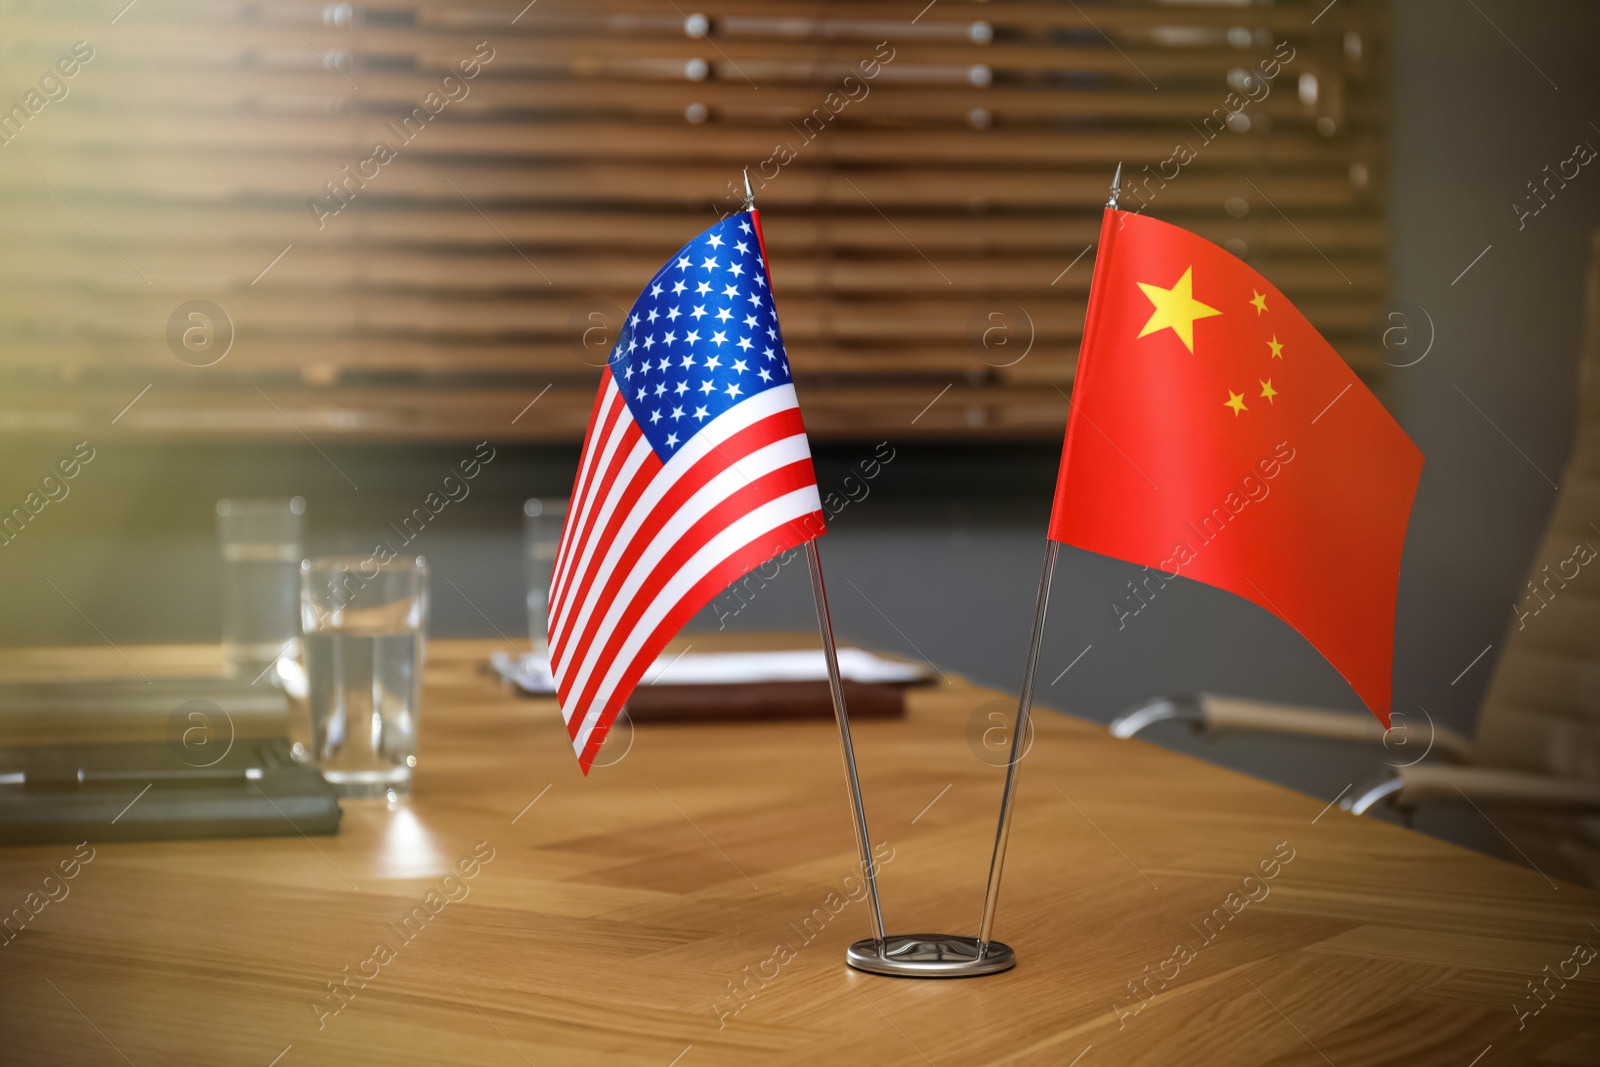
[(647, 544)]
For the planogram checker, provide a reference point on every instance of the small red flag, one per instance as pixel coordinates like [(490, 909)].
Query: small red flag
[(1215, 435)]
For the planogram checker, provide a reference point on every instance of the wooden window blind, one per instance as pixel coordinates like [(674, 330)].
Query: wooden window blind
[(418, 216)]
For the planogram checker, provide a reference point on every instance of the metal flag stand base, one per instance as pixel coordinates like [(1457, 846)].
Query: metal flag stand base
[(930, 956), (906, 955)]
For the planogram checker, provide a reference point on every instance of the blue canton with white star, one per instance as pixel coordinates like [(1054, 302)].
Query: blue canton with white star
[(702, 337)]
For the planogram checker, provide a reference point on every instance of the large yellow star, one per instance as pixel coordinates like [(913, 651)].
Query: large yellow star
[(1259, 302), (1276, 346), (1267, 391), (1176, 308), (1236, 402)]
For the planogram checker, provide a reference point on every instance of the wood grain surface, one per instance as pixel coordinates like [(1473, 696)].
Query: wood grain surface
[(1164, 911)]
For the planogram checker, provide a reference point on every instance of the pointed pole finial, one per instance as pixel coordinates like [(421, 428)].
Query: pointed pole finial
[(749, 194), (1116, 187)]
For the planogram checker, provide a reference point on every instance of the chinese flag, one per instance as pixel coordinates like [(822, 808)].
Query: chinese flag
[(1215, 435)]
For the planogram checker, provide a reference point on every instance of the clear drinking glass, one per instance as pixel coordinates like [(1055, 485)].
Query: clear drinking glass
[(543, 518), (365, 621), (260, 545)]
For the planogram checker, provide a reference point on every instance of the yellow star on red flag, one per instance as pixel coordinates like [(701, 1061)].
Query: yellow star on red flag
[(1176, 309)]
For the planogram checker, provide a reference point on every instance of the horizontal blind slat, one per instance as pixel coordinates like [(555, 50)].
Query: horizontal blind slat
[(191, 158)]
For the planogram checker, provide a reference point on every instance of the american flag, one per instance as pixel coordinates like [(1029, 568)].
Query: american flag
[(695, 470)]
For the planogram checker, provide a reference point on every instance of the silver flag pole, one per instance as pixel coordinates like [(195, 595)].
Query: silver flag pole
[(991, 895), (830, 652), (1030, 672), (906, 955), (858, 811)]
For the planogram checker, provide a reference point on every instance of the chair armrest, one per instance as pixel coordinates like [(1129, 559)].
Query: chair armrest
[(1413, 787), (1213, 714)]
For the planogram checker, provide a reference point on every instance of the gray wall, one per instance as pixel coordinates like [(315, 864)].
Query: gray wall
[(941, 559)]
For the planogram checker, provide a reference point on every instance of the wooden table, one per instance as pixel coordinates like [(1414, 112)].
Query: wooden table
[(617, 913)]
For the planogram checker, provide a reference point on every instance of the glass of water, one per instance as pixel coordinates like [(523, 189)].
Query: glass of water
[(542, 518), (260, 545), (365, 620)]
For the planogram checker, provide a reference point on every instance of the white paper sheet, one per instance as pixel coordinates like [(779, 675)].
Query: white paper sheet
[(730, 668)]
